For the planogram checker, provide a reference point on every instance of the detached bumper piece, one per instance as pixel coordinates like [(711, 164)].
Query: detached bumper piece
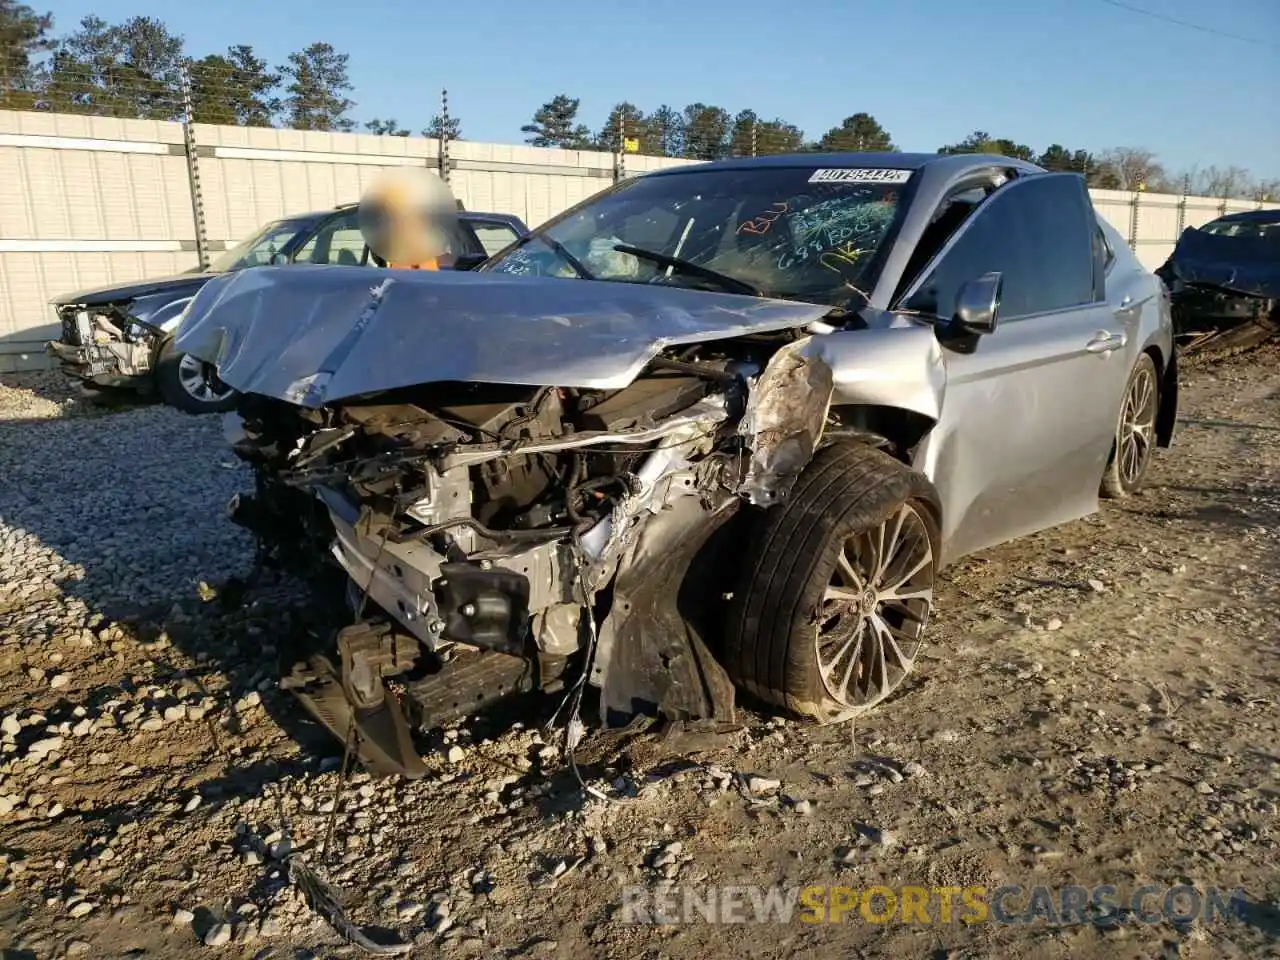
[(353, 701)]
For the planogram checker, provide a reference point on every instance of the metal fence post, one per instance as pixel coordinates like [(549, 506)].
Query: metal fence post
[(193, 169), (620, 163), (1182, 204), (1134, 204), (444, 137)]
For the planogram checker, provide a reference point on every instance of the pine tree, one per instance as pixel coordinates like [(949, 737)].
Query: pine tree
[(234, 88), (24, 38), (317, 87), (858, 133), (555, 125), (439, 128)]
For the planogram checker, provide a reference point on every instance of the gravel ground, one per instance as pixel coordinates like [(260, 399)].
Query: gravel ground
[(1098, 704)]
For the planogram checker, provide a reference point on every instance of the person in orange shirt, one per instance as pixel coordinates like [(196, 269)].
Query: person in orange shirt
[(404, 217)]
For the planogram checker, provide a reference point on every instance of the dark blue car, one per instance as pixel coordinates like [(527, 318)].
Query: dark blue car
[(122, 336)]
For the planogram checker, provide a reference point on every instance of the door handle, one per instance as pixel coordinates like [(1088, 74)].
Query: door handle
[(1105, 342)]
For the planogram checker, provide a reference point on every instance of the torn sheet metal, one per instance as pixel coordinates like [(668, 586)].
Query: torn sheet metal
[(652, 651), (786, 412), (308, 332)]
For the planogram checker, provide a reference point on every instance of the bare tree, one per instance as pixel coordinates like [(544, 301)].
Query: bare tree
[(1268, 190), (1225, 182), (1133, 168)]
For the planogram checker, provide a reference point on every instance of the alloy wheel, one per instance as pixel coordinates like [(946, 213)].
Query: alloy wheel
[(875, 608), (200, 382), (1137, 426)]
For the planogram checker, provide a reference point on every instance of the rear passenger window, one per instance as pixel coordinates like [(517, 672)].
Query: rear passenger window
[(1039, 233), (493, 236)]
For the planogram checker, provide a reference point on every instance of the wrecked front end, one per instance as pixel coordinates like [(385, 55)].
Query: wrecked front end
[(112, 338), (498, 537), (104, 345), (1224, 290)]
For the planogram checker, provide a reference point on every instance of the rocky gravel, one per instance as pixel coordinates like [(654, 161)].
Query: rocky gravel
[(1098, 704)]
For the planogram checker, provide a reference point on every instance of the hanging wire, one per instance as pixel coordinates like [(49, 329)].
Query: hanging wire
[(1260, 41)]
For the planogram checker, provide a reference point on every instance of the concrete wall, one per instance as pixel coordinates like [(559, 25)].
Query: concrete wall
[(91, 201)]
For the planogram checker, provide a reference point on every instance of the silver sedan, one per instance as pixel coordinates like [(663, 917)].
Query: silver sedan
[(718, 427)]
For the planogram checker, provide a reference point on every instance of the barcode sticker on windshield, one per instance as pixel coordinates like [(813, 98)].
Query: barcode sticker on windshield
[(860, 175)]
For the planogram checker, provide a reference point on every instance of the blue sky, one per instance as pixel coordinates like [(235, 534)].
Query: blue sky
[(1080, 72)]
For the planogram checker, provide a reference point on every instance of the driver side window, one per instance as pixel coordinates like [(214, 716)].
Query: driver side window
[(1037, 232)]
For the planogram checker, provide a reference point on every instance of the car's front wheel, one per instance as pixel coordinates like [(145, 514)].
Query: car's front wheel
[(833, 604), (190, 384), (1135, 438)]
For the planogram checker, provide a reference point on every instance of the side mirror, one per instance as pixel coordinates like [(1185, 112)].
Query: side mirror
[(978, 304)]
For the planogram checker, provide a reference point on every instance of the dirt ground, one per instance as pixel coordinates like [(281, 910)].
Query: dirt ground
[(1098, 704)]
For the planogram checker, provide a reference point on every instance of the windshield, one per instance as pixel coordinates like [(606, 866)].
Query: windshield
[(798, 233), (258, 250), (1251, 229)]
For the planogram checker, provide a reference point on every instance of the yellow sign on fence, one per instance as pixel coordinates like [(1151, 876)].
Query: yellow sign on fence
[(630, 144)]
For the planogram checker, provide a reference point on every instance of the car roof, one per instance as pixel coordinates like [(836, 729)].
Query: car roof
[(949, 163), (1246, 216), (478, 214)]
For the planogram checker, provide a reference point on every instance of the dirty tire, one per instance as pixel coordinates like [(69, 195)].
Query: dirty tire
[(1135, 423), (173, 383), (846, 495)]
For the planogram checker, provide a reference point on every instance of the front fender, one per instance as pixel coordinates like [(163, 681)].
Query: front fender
[(895, 369), (160, 312), (898, 366)]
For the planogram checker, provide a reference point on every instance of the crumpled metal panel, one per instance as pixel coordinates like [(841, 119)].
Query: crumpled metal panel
[(314, 335), (1248, 265), (895, 366), (786, 413)]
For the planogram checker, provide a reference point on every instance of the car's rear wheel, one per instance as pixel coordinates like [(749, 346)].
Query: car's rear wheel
[(190, 384), (1135, 438), (831, 613)]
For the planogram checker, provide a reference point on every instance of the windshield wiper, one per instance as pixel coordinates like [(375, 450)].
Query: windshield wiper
[(574, 263), (723, 280)]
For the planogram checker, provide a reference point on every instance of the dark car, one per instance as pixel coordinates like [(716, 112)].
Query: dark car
[(1224, 281), (122, 336)]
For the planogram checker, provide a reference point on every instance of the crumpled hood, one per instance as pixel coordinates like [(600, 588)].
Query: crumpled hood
[(182, 284), (1243, 264), (313, 335)]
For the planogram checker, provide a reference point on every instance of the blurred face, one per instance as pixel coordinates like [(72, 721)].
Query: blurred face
[(403, 214)]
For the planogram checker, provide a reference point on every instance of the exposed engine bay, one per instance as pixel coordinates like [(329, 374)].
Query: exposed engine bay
[(105, 344), (517, 532)]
